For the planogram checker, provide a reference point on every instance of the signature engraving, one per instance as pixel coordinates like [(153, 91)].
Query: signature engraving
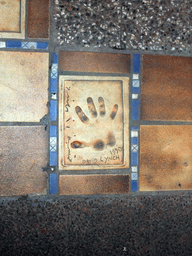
[(67, 105), (68, 149), (104, 159)]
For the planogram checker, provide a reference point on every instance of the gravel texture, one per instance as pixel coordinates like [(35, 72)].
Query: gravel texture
[(138, 24), (143, 225)]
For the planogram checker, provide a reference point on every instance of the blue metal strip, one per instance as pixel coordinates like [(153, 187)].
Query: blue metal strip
[(53, 110), (53, 158), (53, 183), (134, 158), (136, 63), (134, 186), (135, 89), (53, 131), (55, 58), (134, 140), (53, 85), (42, 45), (135, 109), (135, 128), (13, 44)]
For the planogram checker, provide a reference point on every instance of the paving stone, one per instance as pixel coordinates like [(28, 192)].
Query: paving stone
[(38, 18), (166, 88), (23, 153), (23, 86), (12, 18), (95, 62), (166, 162), (93, 184)]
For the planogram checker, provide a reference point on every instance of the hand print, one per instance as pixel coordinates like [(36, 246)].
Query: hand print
[(97, 144)]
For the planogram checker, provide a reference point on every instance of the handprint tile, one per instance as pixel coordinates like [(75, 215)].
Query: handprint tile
[(93, 126), (96, 144)]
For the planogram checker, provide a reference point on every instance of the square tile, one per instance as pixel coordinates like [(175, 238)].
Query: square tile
[(135, 83), (93, 184), (166, 162), (23, 86), (2, 44), (93, 122), (134, 176), (134, 134), (166, 88), (135, 76), (23, 153), (135, 96), (53, 96), (38, 18), (54, 70), (134, 148), (53, 144), (29, 45), (134, 168), (12, 18)]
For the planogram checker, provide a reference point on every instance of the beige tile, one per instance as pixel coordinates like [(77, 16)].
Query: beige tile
[(166, 162), (23, 86), (93, 117), (23, 153), (12, 18), (9, 15), (93, 184)]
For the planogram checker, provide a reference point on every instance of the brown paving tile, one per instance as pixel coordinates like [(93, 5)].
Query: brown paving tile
[(166, 88), (95, 62), (23, 153), (93, 120), (12, 18), (38, 18), (166, 158), (23, 86), (93, 184)]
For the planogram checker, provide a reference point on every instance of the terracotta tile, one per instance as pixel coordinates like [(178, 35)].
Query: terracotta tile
[(166, 88), (23, 153), (93, 120), (38, 18), (23, 86), (166, 162), (95, 62), (12, 18), (93, 184)]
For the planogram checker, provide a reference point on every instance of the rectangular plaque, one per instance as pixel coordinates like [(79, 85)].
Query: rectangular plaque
[(93, 122)]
